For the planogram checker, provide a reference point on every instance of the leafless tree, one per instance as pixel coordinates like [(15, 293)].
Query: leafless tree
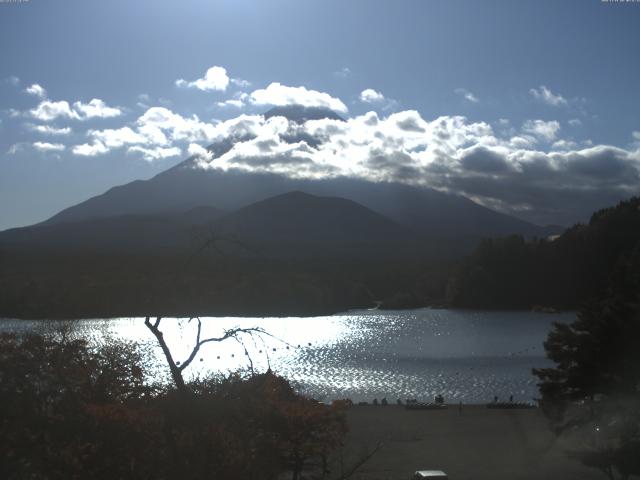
[(176, 367)]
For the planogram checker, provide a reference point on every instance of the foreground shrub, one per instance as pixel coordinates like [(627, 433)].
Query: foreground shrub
[(72, 411)]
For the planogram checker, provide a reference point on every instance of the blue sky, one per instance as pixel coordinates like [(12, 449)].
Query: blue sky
[(565, 75)]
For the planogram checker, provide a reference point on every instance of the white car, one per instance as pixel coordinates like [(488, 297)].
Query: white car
[(430, 474)]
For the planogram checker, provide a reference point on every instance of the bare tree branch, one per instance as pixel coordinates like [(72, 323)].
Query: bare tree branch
[(176, 373), (176, 368)]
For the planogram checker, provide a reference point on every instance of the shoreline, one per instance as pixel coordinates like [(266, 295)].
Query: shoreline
[(241, 315)]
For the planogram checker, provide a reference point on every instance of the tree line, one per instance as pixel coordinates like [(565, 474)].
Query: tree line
[(563, 273)]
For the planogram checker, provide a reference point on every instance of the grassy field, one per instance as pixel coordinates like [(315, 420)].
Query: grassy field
[(475, 443)]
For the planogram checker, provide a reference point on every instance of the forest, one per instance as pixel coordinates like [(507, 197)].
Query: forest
[(559, 273)]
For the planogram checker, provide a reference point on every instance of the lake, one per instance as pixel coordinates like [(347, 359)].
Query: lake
[(465, 355)]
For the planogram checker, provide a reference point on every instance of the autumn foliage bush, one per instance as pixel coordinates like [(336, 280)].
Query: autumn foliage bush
[(69, 410)]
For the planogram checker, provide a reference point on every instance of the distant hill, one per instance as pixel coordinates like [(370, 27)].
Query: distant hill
[(312, 225), (575, 267)]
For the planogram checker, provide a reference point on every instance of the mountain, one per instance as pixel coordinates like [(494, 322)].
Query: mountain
[(188, 185), (290, 225)]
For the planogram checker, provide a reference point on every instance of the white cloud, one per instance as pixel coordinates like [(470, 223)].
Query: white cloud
[(49, 110), (544, 130), (544, 95), (279, 95), (115, 138), (156, 153), (215, 78), (239, 82), (154, 135), (48, 147), (373, 97), (344, 72), (564, 145), (234, 102), (200, 152), (575, 122), (144, 99), (90, 150), (48, 129), (239, 100), (36, 90), (96, 108), (467, 95), (369, 95), (636, 135), (159, 121)]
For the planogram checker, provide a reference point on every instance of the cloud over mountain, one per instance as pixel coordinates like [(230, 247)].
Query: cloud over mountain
[(449, 153), (534, 171)]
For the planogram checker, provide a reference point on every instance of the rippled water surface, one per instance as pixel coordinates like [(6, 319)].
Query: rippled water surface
[(467, 356)]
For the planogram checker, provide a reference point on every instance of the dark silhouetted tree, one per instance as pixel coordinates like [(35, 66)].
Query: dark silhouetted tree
[(595, 386)]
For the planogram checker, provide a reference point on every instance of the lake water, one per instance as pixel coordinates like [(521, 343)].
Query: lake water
[(467, 356)]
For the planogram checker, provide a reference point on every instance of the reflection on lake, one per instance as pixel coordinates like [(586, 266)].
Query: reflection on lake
[(467, 356)]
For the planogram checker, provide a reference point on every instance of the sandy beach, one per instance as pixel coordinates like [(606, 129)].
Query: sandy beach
[(475, 444)]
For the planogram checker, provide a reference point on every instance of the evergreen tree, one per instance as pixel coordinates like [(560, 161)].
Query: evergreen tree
[(595, 385)]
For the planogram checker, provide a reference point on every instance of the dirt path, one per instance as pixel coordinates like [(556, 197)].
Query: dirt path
[(475, 444)]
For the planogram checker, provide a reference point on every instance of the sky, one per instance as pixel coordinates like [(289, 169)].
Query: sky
[(528, 107)]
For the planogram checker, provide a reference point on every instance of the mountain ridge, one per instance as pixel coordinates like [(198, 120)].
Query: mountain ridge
[(182, 188)]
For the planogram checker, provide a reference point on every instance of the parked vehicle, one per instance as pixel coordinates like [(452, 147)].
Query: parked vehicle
[(430, 474)]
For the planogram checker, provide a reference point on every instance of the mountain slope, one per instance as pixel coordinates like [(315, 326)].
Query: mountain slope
[(142, 233), (290, 225), (184, 187)]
